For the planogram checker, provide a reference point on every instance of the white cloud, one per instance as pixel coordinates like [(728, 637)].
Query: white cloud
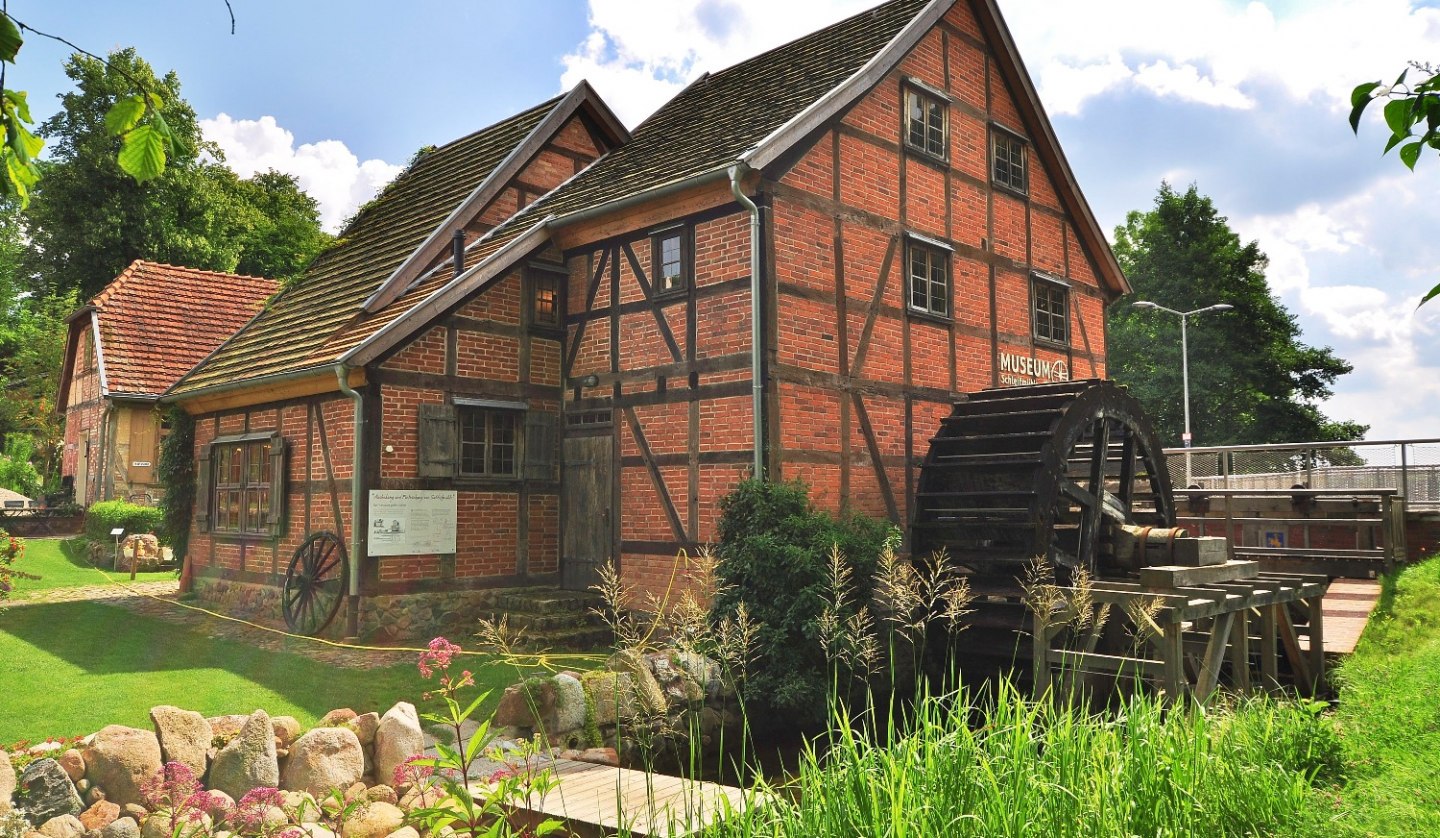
[(639, 53), (1318, 49), (327, 169)]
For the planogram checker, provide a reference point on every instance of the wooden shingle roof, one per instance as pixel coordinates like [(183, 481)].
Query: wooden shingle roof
[(157, 321), (291, 333)]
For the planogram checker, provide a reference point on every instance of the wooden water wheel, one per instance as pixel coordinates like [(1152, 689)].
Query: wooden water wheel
[(315, 584), (1048, 470)]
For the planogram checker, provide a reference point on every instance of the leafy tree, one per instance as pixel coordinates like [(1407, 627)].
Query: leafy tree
[(17, 473), (1251, 379), (1412, 113), (88, 219), (287, 234), (134, 118)]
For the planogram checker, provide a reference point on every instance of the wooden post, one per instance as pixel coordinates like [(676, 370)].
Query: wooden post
[(1040, 651), (1317, 644), (1240, 650), (1299, 665), (1209, 674), (1173, 653), (1269, 638)]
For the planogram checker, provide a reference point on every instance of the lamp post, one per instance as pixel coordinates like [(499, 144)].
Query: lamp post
[(1184, 361)]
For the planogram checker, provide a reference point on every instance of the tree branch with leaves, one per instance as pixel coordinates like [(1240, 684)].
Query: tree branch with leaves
[(1412, 113), (145, 137)]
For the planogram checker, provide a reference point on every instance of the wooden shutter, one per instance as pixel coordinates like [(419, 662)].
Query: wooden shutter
[(203, 489), (439, 440), (540, 440), (277, 484)]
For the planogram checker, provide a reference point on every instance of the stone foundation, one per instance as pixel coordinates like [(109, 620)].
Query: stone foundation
[(384, 619)]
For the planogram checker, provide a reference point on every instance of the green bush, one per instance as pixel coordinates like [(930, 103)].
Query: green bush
[(773, 551), (106, 515), (177, 475)]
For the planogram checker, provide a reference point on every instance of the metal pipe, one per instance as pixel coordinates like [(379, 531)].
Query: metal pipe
[(357, 488), (757, 385)]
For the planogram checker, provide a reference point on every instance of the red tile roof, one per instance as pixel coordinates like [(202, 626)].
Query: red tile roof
[(159, 321)]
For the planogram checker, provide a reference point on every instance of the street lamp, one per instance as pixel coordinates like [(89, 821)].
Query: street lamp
[(1184, 361)]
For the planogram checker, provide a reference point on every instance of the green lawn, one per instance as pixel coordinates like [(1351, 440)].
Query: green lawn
[(1389, 714), (61, 563)]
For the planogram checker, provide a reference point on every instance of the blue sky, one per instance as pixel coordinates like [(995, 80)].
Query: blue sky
[(1246, 100)]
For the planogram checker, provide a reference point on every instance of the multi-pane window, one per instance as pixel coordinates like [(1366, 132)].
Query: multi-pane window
[(929, 278), (1052, 310), (243, 481), (925, 123), (670, 261), (545, 298), (489, 442), (1007, 160)]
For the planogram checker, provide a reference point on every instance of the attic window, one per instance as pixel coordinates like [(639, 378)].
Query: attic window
[(925, 122), (670, 260), (544, 297), (1007, 160)]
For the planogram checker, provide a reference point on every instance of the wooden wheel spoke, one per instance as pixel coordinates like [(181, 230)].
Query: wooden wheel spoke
[(315, 584)]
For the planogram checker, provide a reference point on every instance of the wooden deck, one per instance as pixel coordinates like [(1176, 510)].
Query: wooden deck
[(1348, 605), (600, 800)]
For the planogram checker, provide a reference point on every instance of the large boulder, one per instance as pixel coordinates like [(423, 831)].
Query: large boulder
[(48, 792), (184, 737), (120, 759), (397, 738), (325, 758), (704, 671), (249, 760), (529, 704), (647, 690), (7, 782), (681, 691), (569, 705), (165, 823), (124, 827), (74, 764), (373, 820), (287, 730), (62, 826), (100, 815)]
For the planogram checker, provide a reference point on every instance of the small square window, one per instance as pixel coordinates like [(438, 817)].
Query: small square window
[(925, 123), (1007, 160), (544, 298), (489, 441), (1051, 302), (928, 270), (670, 261)]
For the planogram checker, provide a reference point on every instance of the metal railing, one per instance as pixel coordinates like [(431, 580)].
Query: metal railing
[(1410, 467)]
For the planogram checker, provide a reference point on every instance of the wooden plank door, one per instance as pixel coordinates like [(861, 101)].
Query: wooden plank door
[(587, 495)]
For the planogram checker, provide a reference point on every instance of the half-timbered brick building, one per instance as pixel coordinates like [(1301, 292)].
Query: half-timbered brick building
[(590, 335)]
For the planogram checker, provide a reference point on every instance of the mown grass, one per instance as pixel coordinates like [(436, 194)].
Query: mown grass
[(61, 563), (1019, 767), (1389, 715)]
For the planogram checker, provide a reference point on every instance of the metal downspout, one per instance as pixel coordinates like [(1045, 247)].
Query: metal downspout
[(757, 385), (357, 488)]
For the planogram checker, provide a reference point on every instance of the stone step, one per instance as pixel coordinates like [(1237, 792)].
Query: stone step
[(547, 601), (531, 622), (582, 639)]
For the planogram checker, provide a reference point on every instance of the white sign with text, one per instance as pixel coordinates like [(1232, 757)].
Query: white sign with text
[(412, 522), (1023, 369)]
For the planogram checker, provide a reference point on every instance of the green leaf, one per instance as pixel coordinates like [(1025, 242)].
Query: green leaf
[(1410, 153), (142, 155), (20, 102), (1397, 116), (1360, 105), (1434, 292), (1361, 94), (124, 115), (10, 39)]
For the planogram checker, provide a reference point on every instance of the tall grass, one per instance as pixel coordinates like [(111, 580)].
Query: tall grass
[(1006, 765)]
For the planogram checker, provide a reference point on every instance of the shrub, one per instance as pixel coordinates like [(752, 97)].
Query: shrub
[(106, 515), (17, 473), (11, 549), (773, 556), (177, 474)]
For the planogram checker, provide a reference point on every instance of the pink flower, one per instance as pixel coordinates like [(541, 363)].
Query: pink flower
[(437, 657)]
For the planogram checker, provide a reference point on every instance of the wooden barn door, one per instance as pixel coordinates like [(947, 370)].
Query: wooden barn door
[(587, 494)]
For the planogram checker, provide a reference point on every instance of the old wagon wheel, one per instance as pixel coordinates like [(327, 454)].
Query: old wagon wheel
[(1048, 471), (315, 583)]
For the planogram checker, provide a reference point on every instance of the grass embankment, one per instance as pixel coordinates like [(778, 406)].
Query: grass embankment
[(70, 668), (1389, 714), (1037, 768), (63, 564)]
